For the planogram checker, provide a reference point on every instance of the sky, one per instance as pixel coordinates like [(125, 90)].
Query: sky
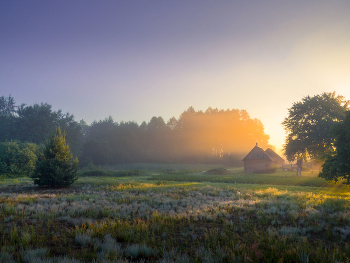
[(133, 60)]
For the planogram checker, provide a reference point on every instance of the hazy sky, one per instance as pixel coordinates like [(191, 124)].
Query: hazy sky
[(137, 59)]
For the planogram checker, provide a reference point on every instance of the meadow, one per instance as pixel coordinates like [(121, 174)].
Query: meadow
[(176, 216), (237, 175)]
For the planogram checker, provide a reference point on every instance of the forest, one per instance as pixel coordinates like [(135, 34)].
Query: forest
[(211, 137)]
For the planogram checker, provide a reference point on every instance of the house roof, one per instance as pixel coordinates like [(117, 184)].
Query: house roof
[(257, 153), (274, 156)]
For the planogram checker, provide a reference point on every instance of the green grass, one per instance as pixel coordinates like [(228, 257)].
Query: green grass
[(237, 175), (15, 181), (156, 167), (11, 176), (147, 219), (100, 172)]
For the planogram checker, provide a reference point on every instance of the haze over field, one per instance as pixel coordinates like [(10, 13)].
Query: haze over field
[(136, 60)]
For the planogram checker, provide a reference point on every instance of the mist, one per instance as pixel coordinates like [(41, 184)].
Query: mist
[(213, 136)]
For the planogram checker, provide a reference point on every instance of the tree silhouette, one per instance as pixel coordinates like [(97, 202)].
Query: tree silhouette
[(309, 125)]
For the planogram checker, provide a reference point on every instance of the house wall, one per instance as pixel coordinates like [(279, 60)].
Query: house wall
[(257, 165), (278, 163)]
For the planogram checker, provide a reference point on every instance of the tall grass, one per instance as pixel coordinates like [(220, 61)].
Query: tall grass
[(116, 219), (237, 175)]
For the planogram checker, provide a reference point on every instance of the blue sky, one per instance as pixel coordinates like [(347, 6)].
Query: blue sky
[(137, 59)]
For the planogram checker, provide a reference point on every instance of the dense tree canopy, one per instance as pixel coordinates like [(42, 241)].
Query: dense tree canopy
[(309, 125), (7, 106), (35, 123), (17, 159), (7, 113), (213, 136), (337, 163)]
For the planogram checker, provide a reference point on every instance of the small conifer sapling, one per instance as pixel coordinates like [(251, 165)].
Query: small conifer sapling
[(56, 165)]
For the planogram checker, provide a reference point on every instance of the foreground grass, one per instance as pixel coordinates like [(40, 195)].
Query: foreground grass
[(15, 181), (134, 219), (237, 175)]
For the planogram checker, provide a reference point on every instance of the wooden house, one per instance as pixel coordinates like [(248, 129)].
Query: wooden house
[(276, 159), (260, 161)]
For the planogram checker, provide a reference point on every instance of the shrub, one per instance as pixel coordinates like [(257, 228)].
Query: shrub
[(135, 251), (17, 159), (55, 165), (271, 170)]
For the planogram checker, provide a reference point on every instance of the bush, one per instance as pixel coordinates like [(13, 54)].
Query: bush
[(17, 159), (270, 170), (56, 166)]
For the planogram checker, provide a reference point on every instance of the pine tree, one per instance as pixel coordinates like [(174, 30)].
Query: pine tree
[(56, 165)]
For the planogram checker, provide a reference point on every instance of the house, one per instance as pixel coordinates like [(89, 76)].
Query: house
[(260, 161), (276, 159)]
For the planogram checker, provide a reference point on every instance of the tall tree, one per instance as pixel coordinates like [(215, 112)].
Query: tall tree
[(219, 132), (337, 163), (213, 136), (35, 123), (7, 117), (7, 106), (97, 151), (97, 142), (309, 125)]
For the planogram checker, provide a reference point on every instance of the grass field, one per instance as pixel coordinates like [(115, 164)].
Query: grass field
[(176, 217), (237, 175)]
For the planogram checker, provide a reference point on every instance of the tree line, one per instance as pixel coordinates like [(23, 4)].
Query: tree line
[(211, 136), (35, 123), (317, 128)]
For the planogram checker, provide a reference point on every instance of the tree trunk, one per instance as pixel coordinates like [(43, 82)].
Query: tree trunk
[(299, 166)]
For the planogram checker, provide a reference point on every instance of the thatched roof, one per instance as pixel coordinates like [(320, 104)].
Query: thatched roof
[(257, 153), (274, 156)]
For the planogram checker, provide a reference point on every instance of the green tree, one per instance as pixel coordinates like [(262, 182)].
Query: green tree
[(35, 123), (309, 123), (56, 165), (17, 159), (7, 117), (7, 106), (196, 137), (97, 151), (337, 163)]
